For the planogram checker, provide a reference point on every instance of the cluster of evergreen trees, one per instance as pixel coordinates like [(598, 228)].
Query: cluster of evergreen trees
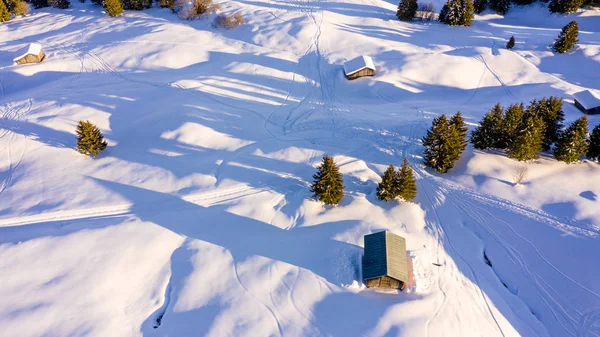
[(328, 184), (445, 142), (555, 6), (8, 8), (525, 132), (397, 184)]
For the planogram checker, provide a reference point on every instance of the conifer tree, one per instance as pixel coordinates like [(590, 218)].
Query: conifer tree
[(567, 39), (406, 10), (466, 12), (62, 4), (594, 148), (438, 143), (328, 185), (550, 110), (458, 123), (480, 5), (457, 13), (488, 133), (113, 7), (510, 125), (4, 13), (528, 140), (89, 139), (405, 181), (443, 17), (573, 143), (564, 6), (387, 189), (459, 141), (511, 43), (500, 6)]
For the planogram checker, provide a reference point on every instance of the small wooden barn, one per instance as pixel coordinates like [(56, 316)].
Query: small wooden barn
[(30, 54), (385, 263), (587, 101), (359, 67)]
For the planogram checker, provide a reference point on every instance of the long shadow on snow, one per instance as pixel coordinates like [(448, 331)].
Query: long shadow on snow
[(244, 238)]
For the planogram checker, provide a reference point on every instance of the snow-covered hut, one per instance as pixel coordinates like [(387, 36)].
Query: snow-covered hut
[(359, 67), (384, 263), (30, 54), (587, 101)]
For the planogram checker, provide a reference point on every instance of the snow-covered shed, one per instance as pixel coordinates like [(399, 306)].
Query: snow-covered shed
[(384, 263), (359, 67), (30, 54), (587, 101)]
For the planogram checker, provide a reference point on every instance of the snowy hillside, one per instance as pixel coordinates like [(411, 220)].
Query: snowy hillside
[(197, 220)]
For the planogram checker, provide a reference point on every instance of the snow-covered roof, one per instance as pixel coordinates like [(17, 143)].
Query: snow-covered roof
[(34, 48), (358, 64), (587, 99)]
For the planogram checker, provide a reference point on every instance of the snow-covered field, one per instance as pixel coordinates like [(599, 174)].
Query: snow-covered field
[(197, 219)]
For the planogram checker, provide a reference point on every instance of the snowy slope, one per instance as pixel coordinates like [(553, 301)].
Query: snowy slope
[(197, 219)]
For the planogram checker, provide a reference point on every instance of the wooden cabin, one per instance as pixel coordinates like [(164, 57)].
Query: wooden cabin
[(30, 54), (385, 263), (359, 67), (587, 101)]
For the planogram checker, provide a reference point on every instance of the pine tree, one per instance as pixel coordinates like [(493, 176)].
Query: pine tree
[(89, 139), (500, 6), (528, 140), (480, 5), (439, 153), (387, 189), (459, 143), (40, 3), (594, 148), (511, 43), (406, 10), (553, 116), (488, 133), (113, 7), (567, 39), (458, 122), (510, 125), (328, 185), (573, 143), (62, 4), (564, 6), (443, 17), (405, 182), (467, 10), (4, 13)]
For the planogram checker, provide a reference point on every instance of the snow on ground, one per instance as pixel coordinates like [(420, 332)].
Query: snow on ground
[(197, 219)]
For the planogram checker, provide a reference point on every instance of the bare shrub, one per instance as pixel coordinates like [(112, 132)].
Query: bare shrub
[(191, 10), (426, 12), (21, 8), (229, 21), (520, 173)]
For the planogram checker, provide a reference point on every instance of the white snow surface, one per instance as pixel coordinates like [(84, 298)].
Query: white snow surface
[(587, 99), (197, 220), (33, 49), (357, 64)]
